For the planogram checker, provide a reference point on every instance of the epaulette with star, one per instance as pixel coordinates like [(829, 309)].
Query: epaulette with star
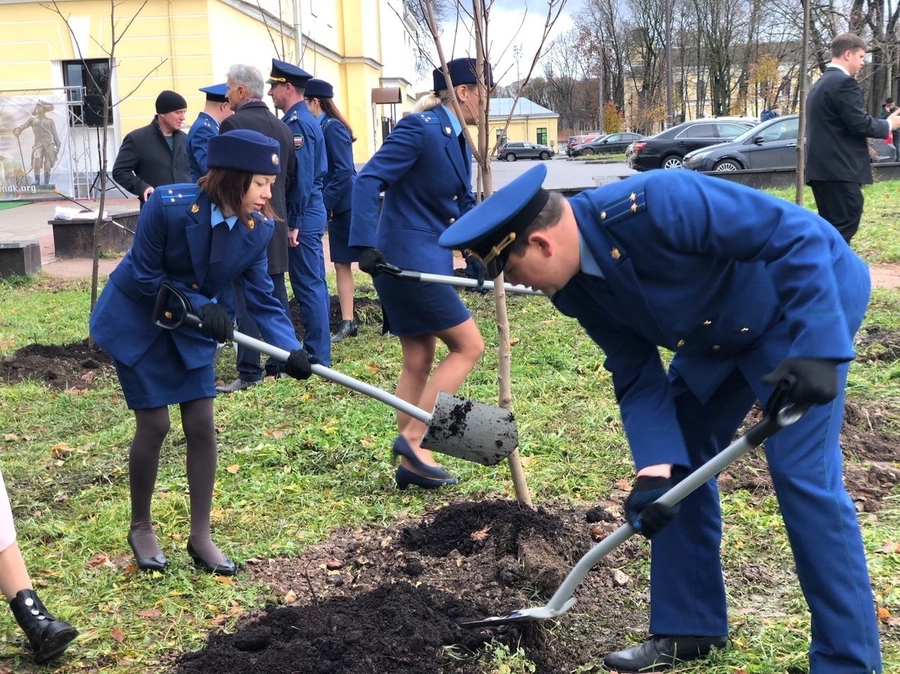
[(619, 210), (175, 196)]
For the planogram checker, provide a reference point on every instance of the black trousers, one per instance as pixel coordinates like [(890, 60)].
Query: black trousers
[(841, 203)]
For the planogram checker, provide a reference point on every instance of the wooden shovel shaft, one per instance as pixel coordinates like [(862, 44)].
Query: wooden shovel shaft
[(325, 373)]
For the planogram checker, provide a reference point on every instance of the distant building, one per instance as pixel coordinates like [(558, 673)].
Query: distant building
[(530, 121)]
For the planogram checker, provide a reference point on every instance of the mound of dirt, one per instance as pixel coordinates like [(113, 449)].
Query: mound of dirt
[(66, 366)]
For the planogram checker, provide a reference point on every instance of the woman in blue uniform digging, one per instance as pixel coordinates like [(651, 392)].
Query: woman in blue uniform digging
[(424, 169), (199, 238)]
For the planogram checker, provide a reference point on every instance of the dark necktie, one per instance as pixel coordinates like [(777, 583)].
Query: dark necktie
[(219, 243)]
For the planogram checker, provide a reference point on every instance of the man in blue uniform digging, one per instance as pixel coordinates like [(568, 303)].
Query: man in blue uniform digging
[(747, 291)]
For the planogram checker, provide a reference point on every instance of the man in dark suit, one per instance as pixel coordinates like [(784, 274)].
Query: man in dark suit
[(244, 91), (155, 154), (837, 149)]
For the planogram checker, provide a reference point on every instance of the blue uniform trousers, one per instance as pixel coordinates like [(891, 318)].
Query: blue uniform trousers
[(306, 268), (686, 586), (248, 366)]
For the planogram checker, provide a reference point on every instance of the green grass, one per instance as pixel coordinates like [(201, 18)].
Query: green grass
[(299, 459)]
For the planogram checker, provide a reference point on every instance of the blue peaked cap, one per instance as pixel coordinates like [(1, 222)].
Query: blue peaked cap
[(318, 89), (490, 228), (284, 72), (215, 92)]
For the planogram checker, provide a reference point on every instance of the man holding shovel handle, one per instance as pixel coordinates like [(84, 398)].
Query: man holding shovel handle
[(747, 291)]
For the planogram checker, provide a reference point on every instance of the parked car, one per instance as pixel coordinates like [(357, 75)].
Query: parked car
[(770, 145), (609, 144), (666, 148), (578, 140), (522, 149)]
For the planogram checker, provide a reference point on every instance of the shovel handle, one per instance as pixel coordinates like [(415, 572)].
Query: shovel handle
[(424, 277), (753, 437), (322, 371)]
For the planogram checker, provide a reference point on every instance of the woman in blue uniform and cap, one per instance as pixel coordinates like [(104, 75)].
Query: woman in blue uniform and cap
[(200, 239), (424, 169), (337, 190)]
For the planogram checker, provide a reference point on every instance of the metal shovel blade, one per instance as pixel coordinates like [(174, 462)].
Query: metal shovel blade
[(562, 600), (471, 430)]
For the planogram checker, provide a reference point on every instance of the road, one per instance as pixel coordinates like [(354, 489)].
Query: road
[(562, 172)]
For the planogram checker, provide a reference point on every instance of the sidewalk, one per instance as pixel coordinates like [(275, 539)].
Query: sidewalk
[(32, 221)]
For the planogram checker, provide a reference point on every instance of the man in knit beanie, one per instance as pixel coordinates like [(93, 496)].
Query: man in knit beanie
[(155, 154)]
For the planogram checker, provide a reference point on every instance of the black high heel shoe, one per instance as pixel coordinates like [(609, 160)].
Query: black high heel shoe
[(226, 568), (154, 563), (405, 477), (401, 447)]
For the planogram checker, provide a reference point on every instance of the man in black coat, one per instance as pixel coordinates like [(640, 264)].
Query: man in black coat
[(244, 91), (155, 154), (838, 126)]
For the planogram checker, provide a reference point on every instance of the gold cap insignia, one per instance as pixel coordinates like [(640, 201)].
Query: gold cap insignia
[(274, 160), (195, 208)]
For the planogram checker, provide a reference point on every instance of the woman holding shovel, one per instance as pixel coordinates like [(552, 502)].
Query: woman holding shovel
[(200, 239), (424, 169)]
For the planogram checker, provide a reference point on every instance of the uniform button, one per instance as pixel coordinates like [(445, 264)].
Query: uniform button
[(452, 220), (707, 322), (455, 197), (603, 215), (716, 347), (680, 342), (194, 286), (615, 253), (745, 329)]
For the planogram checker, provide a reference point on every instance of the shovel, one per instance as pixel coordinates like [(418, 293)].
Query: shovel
[(459, 427), (562, 600), (409, 275)]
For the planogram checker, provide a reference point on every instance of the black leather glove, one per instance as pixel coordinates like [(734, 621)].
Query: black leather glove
[(369, 259), (475, 270), (809, 381), (299, 364), (215, 322), (646, 517)]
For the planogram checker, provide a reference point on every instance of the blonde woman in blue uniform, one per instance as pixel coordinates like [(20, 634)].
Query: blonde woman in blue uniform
[(200, 238), (424, 169), (337, 191), (748, 291)]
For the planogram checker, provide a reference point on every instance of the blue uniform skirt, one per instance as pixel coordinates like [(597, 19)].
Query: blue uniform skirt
[(415, 308), (160, 379), (338, 236)]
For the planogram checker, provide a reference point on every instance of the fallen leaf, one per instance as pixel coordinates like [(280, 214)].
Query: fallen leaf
[(372, 367), (116, 633), (481, 534), (225, 580), (233, 468), (149, 613), (290, 597), (332, 564), (623, 484), (889, 548), (10, 437), (883, 613), (59, 450)]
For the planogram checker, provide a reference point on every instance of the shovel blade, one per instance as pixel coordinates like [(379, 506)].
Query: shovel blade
[(471, 430), (525, 615)]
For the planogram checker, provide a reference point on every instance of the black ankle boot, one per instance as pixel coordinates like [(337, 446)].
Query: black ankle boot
[(346, 329), (47, 635)]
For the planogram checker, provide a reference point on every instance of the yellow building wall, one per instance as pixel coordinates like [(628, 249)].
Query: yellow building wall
[(526, 129)]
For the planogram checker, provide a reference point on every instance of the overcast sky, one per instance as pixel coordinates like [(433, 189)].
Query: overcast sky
[(506, 30)]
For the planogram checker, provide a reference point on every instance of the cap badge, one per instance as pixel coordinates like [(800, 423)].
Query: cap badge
[(615, 253), (195, 208), (274, 160)]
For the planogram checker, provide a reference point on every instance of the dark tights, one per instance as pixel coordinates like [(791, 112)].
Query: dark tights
[(143, 464)]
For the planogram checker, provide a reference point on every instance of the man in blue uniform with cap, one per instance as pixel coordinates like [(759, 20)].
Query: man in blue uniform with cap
[(306, 209), (747, 291), (206, 126)]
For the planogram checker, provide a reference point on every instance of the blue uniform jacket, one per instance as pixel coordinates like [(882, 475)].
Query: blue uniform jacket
[(203, 128), (172, 245), (337, 191), (427, 184), (722, 275), (305, 197)]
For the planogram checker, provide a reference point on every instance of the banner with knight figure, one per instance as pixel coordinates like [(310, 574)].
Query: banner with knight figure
[(35, 153)]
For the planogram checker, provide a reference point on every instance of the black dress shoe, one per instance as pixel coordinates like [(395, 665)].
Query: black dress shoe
[(154, 563), (660, 652), (226, 568), (345, 329), (406, 477)]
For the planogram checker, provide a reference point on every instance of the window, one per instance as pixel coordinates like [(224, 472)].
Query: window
[(541, 135), (93, 75), (700, 131)]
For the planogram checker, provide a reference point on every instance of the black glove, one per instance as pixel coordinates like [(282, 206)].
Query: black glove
[(369, 259), (299, 364), (215, 322), (646, 517), (475, 270), (809, 381)]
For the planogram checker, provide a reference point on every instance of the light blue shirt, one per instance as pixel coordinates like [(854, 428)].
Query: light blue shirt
[(588, 263), (457, 127), (215, 217)]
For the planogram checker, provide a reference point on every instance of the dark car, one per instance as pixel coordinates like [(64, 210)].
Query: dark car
[(522, 149), (578, 140), (770, 145), (666, 149), (609, 144)]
